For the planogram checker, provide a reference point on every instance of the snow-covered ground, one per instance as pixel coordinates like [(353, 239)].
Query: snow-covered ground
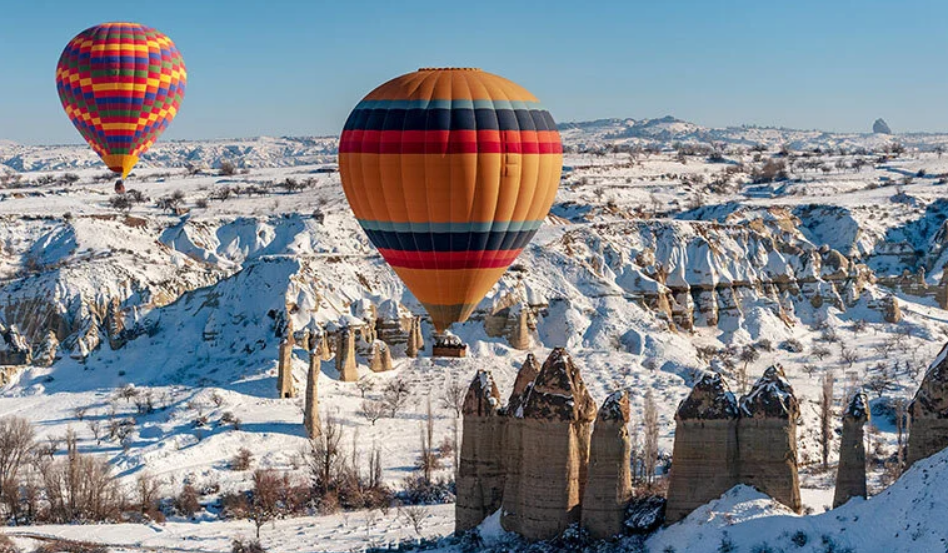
[(204, 295)]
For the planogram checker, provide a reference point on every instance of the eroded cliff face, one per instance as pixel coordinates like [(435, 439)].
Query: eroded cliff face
[(699, 273), (929, 411)]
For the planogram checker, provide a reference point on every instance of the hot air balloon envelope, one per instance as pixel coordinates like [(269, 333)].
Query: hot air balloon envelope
[(450, 172), (121, 84)]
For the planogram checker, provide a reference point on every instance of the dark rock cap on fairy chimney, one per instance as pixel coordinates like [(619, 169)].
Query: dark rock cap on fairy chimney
[(710, 399), (771, 397), (483, 397), (559, 393), (525, 376)]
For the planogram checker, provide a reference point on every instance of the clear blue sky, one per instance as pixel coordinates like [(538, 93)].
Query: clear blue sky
[(296, 67)]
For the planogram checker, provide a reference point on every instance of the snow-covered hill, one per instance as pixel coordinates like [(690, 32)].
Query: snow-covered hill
[(653, 267)]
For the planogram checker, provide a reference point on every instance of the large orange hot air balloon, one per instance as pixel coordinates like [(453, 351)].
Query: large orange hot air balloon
[(121, 84), (450, 172)]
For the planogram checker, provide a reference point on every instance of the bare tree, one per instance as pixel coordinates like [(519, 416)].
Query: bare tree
[(428, 462), (373, 409), (748, 355), (16, 441), (267, 487), (452, 397), (415, 515), (848, 356), (826, 416), (365, 385), (901, 422), (325, 455), (396, 395), (650, 423), (148, 488), (821, 352)]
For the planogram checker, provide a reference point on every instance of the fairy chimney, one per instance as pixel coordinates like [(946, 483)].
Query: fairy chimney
[(513, 434), (557, 416), (480, 479), (414, 344), (285, 385), (325, 351), (851, 475), (767, 438), (704, 459), (311, 407), (345, 355), (892, 313), (609, 484), (381, 357), (929, 411), (519, 334)]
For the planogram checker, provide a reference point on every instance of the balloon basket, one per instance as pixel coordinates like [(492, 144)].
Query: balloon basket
[(448, 345)]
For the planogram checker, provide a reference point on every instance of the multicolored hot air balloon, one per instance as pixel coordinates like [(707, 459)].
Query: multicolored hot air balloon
[(450, 172), (121, 84)]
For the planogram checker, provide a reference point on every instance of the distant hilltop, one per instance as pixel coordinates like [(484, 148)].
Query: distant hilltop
[(601, 134)]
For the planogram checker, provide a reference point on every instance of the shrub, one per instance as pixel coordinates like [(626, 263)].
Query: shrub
[(242, 460), (228, 168), (239, 545)]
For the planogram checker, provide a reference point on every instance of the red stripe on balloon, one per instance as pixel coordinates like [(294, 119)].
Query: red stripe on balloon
[(450, 142), (450, 260)]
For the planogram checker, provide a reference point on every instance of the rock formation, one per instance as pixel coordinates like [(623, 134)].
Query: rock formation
[(851, 475), (519, 334), (513, 432), (480, 478), (556, 421), (381, 357), (323, 346), (881, 127), (414, 344), (47, 352), (704, 461), (345, 355), (609, 484), (892, 313), (767, 438), (285, 385), (394, 325), (14, 349), (929, 412), (311, 407)]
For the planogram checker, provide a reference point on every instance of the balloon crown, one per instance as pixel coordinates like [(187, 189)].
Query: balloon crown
[(448, 69)]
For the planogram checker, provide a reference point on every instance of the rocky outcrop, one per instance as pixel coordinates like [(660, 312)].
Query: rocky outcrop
[(556, 422), (519, 335), (345, 355), (48, 351), (881, 127), (513, 432), (381, 360), (311, 407), (892, 312), (480, 477), (286, 387), (609, 484), (14, 349), (929, 412), (705, 456), (851, 475), (415, 342), (394, 325), (767, 438)]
